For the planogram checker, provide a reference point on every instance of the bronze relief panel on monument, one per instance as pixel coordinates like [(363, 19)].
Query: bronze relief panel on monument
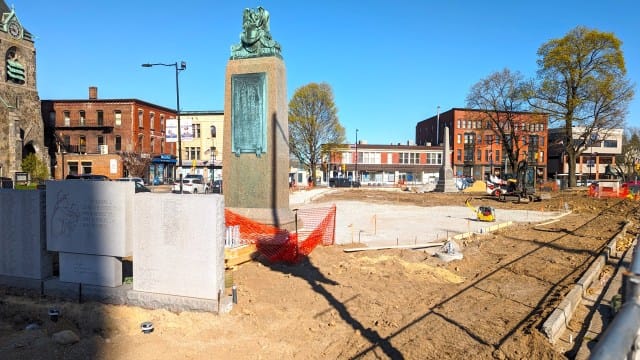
[(248, 113)]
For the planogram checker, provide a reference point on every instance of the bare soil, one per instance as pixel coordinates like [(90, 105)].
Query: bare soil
[(370, 305)]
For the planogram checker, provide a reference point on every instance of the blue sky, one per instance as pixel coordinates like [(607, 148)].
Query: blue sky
[(390, 63)]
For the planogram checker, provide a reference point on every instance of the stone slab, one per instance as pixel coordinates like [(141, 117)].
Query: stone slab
[(21, 282), (106, 295), (149, 300), (90, 217), (23, 250), (179, 245), (53, 287), (91, 269)]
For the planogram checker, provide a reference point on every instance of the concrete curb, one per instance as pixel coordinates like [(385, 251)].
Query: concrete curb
[(557, 322)]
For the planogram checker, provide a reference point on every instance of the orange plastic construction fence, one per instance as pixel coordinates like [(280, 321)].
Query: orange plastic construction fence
[(314, 226)]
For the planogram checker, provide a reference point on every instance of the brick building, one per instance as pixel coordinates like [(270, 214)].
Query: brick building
[(89, 136), (383, 164), (478, 149), (21, 128), (203, 153)]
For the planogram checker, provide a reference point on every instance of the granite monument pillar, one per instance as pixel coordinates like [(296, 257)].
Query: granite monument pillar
[(256, 139), (445, 178)]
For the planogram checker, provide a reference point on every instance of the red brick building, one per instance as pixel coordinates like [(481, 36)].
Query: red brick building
[(478, 147), (89, 135)]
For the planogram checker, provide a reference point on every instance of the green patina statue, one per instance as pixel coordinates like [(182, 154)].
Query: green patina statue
[(255, 39)]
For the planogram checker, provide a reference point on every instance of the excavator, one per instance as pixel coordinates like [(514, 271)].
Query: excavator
[(483, 213)]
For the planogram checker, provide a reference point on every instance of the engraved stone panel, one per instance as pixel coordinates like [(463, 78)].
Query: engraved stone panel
[(179, 245), (90, 269), (22, 236), (90, 217), (248, 114)]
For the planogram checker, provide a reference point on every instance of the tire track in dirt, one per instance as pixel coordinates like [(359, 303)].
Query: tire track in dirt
[(517, 292)]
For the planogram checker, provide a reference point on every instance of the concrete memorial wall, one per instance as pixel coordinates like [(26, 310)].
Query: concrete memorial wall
[(179, 245), (90, 217), (23, 252)]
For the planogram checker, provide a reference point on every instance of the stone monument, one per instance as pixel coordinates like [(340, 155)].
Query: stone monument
[(256, 138), (445, 178)]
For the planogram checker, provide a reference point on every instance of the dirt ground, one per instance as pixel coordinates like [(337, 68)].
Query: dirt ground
[(371, 304)]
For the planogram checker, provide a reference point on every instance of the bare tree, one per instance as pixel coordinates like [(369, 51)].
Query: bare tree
[(500, 99), (581, 84), (135, 164), (313, 121)]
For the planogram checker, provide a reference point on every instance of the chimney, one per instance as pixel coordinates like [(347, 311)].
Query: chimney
[(93, 92)]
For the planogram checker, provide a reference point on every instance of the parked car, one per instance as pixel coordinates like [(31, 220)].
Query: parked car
[(217, 187), (93, 177), (190, 186), (343, 182), (141, 188), (137, 180), (195, 176)]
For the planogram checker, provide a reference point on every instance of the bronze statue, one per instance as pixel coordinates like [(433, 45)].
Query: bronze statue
[(255, 39)]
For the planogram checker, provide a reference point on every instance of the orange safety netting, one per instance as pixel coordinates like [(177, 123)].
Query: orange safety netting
[(317, 226), (625, 190)]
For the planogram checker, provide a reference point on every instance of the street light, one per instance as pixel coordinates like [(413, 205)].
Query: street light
[(438, 127), (356, 174), (179, 67)]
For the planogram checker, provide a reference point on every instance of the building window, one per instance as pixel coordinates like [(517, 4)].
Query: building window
[(459, 155), (83, 144), (73, 168), (469, 138), (152, 120), (498, 155), (118, 143), (100, 141), (389, 158), (479, 155), (52, 118), (409, 158), (468, 154), (193, 153), (488, 139), (100, 116), (459, 123), (434, 158), (459, 138), (86, 167), (66, 140), (611, 143), (140, 118), (118, 117), (82, 118), (162, 122), (140, 141), (346, 158), (67, 118), (486, 155), (369, 158), (151, 145), (196, 131)]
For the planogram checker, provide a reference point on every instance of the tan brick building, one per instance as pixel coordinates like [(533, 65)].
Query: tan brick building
[(89, 136), (21, 128)]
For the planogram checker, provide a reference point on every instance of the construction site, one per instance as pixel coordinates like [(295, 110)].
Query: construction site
[(376, 287)]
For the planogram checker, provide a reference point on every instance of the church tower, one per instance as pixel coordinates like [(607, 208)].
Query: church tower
[(21, 126)]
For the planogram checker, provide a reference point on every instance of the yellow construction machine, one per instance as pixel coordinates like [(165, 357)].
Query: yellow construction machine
[(483, 213)]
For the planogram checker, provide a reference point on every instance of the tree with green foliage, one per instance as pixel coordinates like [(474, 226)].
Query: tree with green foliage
[(629, 160), (313, 121), (37, 169), (500, 100), (581, 84)]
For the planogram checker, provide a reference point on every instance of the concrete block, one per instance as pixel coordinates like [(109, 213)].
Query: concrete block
[(22, 237), (21, 282), (149, 300), (53, 287), (179, 245), (106, 295), (90, 217), (91, 269)]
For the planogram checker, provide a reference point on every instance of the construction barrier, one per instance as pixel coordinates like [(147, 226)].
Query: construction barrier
[(317, 227)]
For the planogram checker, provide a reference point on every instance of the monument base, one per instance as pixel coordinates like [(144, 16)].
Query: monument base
[(280, 218)]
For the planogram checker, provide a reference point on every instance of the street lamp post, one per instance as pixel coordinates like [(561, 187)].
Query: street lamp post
[(356, 172), (179, 67), (438, 127)]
